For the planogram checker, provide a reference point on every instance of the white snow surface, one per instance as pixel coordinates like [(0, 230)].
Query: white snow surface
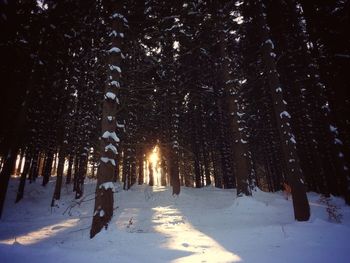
[(150, 225)]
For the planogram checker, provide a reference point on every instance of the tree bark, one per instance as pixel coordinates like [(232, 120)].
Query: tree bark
[(291, 159), (103, 209), (22, 182)]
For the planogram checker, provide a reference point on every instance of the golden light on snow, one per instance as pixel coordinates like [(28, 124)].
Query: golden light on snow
[(42, 233), (183, 237)]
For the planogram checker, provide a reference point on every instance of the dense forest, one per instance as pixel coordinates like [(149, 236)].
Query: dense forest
[(235, 94)]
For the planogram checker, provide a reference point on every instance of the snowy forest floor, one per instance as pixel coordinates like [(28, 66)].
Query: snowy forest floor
[(149, 225)]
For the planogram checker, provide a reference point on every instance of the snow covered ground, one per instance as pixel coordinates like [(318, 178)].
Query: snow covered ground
[(149, 225)]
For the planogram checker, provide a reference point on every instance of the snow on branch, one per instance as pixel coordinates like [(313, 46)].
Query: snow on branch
[(117, 15), (110, 135), (107, 185), (115, 68), (285, 114), (333, 129), (106, 160), (112, 148), (115, 83), (269, 41), (110, 95), (337, 141), (279, 89), (114, 50), (122, 126)]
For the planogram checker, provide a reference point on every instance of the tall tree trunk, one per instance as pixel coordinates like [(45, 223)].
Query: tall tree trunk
[(291, 159), (59, 178), (151, 175), (140, 165), (22, 182), (5, 175), (79, 190), (103, 209), (242, 168), (12, 151), (69, 170), (47, 168), (33, 172)]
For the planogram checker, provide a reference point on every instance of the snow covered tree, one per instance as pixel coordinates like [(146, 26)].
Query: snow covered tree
[(103, 209)]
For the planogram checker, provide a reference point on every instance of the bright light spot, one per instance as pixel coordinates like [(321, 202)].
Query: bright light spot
[(182, 236), (41, 234), (153, 159), (154, 156)]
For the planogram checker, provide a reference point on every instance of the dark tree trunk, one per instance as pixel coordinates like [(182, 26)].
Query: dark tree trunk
[(47, 168), (140, 165), (76, 172), (79, 191), (69, 170), (5, 175), (151, 176), (174, 173), (104, 199), (12, 151), (291, 159), (59, 177), (22, 182)]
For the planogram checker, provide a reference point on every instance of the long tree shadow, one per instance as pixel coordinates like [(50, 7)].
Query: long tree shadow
[(158, 215), (32, 221)]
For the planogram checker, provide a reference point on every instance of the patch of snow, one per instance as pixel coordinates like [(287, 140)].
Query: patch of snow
[(112, 148), (269, 41), (110, 135), (243, 141), (102, 213), (285, 114), (333, 129), (115, 83), (106, 160), (114, 50), (107, 185), (115, 68), (113, 34), (338, 141), (292, 139), (110, 95)]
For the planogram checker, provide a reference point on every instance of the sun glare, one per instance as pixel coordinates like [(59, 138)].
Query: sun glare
[(154, 156), (154, 165)]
